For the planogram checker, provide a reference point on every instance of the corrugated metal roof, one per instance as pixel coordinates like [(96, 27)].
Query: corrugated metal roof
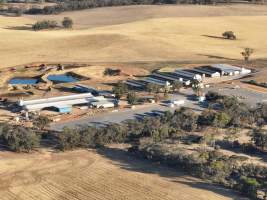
[(55, 99), (204, 71), (60, 102), (226, 67)]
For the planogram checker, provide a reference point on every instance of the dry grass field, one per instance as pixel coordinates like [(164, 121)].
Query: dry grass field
[(86, 175), (138, 33)]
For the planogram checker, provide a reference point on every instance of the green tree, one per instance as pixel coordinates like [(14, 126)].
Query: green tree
[(259, 137), (249, 186), (229, 35), (41, 122), (132, 98), (45, 24), (69, 139), (152, 87), (196, 87), (176, 86), (67, 22), (120, 89), (221, 119), (247, 53), (18, 138)]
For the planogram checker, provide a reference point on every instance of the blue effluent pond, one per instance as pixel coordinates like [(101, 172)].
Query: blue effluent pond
[(23, 81), (62, 78)]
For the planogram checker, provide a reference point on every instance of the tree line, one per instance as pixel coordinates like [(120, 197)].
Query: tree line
[(230, 171), (71, 5)]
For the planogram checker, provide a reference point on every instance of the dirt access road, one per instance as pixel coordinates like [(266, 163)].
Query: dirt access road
[(88, 175)]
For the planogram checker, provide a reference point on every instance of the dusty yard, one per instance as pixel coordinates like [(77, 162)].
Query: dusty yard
[(159, 33), (108, 174)]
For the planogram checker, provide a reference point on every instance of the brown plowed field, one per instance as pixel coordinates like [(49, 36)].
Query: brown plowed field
[(85, 175)]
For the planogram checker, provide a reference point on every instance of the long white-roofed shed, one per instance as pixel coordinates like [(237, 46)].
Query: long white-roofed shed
[(62, 103)]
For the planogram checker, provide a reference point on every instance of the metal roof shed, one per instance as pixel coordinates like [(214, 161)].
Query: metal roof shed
[(205, 72), (168, 76), (226, 69), (133, 84), (188, 74), (156, 81)]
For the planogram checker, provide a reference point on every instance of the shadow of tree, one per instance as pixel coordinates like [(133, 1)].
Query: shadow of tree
[(27, 27), (215, 37), (126, 161), (228, 145), (217, 57)]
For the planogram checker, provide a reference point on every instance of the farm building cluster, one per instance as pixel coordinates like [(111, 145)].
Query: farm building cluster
[(90, 97), (63, 104), (187, 76)]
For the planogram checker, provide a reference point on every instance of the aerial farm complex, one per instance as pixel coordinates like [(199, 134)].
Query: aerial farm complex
[(70, 92), (133, 100)]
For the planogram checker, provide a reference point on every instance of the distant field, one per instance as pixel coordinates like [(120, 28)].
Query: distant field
[(137, 33), (85, 175)]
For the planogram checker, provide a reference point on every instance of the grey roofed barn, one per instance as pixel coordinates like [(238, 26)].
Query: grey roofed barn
[(188, 74), (225, 69), (204, 72)]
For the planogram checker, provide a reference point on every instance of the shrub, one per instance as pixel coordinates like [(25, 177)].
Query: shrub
[(212, 96), (229, 35), (184, 119), (249, 186), (259, 137), (112, 72), (18, 138), (221, 119), (151, 87), (69, 139), (120, 89), (45, 24), (132, 98), (247, 53), (41, 122), (177, 85), (67, 22)]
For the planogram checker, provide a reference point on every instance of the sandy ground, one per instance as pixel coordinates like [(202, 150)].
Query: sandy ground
[(108, 174), (159, 34)]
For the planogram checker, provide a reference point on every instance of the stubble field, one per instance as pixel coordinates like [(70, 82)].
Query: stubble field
[(86, 175), (138, 33)]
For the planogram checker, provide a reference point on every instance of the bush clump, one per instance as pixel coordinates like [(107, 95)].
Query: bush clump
[(45, 24), (18, 139), (229, 35), (67, 22)]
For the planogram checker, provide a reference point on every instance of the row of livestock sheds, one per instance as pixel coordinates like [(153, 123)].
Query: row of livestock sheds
[(157, 81), (172, 77), (187, 74), (226, 69), (205, 72)]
